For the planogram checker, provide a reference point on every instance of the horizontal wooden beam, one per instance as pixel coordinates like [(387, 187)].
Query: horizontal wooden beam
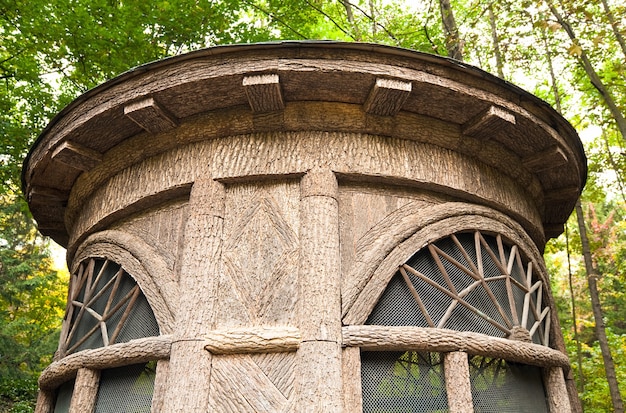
[(392, 338), (387, 97), (488, 123), (135, 351), (253, 340), (264, 93), (150, 116), (76, 156), (544, 160)]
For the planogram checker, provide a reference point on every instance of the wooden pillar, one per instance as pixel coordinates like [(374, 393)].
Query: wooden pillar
[(558, 398), (45, 401), (190, 364), (318, 383), (160, 385), (351, 378), (458, 386), (85, 391)]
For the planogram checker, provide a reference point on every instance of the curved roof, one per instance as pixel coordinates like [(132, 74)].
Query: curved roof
[(475, 102)]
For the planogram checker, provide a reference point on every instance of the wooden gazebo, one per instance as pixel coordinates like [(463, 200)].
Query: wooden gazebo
[(306, 227)]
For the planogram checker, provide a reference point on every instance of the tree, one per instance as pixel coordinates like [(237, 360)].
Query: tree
[(598, 314)]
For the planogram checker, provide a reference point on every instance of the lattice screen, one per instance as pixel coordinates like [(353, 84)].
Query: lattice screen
[(399, 382), (467, 282), (64, 397), (106, 306), (127, 389), (499, 386)]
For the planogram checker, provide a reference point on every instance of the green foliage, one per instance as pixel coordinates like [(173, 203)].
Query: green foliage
[(32, 298), (50, 52), (596, 397)]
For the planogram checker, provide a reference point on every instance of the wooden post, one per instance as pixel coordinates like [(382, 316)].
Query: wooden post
[(351, 377), (458, 386), (558, 398), (45, 401), (85, 391), (190, 365), (160, 385), (318, 385)]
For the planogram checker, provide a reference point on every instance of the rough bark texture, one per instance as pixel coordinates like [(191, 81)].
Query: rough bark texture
[(458, 386), (319, 365), (442, 93), (556, 391), (135, 351), (260, 193), (160, 385), (386, 338), (351, 379), (190, 364), (318, 387), (85, 391), (253, 340), (45, 401)]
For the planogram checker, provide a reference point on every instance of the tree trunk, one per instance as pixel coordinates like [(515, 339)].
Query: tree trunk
[(592, 74), (496, 43), (592, 277), (616, 31), (614, 165), (350, 16), (579, 355), (575, 401), (453, 41), (373, 14)]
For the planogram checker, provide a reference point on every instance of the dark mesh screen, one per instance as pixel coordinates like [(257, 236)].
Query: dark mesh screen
[(486, 305), (499, 386), (108, 294), (126, 389), (64, 397), (400, 382), (397, 307)]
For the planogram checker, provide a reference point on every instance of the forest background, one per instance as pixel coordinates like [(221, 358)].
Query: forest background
[(570, 53)]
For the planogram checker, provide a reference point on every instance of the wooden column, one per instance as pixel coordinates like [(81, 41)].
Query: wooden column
[(351, 377), (458, 386), (558, 398), (45, 401), (190, 365), (160, 385), (318, 383), (85, 391)]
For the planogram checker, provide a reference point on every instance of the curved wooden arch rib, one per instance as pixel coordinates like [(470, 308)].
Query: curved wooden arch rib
[(123, 354), (143, 263), (399, 236), (391, 338)]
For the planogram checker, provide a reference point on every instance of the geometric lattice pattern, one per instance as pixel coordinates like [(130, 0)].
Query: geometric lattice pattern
[(404, 381), (105, 306), (500, 386), (467, 282)]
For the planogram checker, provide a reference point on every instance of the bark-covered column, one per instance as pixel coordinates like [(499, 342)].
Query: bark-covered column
[(318, 383), (85, 391), (458, 386), (558, 398), (190, 365)]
